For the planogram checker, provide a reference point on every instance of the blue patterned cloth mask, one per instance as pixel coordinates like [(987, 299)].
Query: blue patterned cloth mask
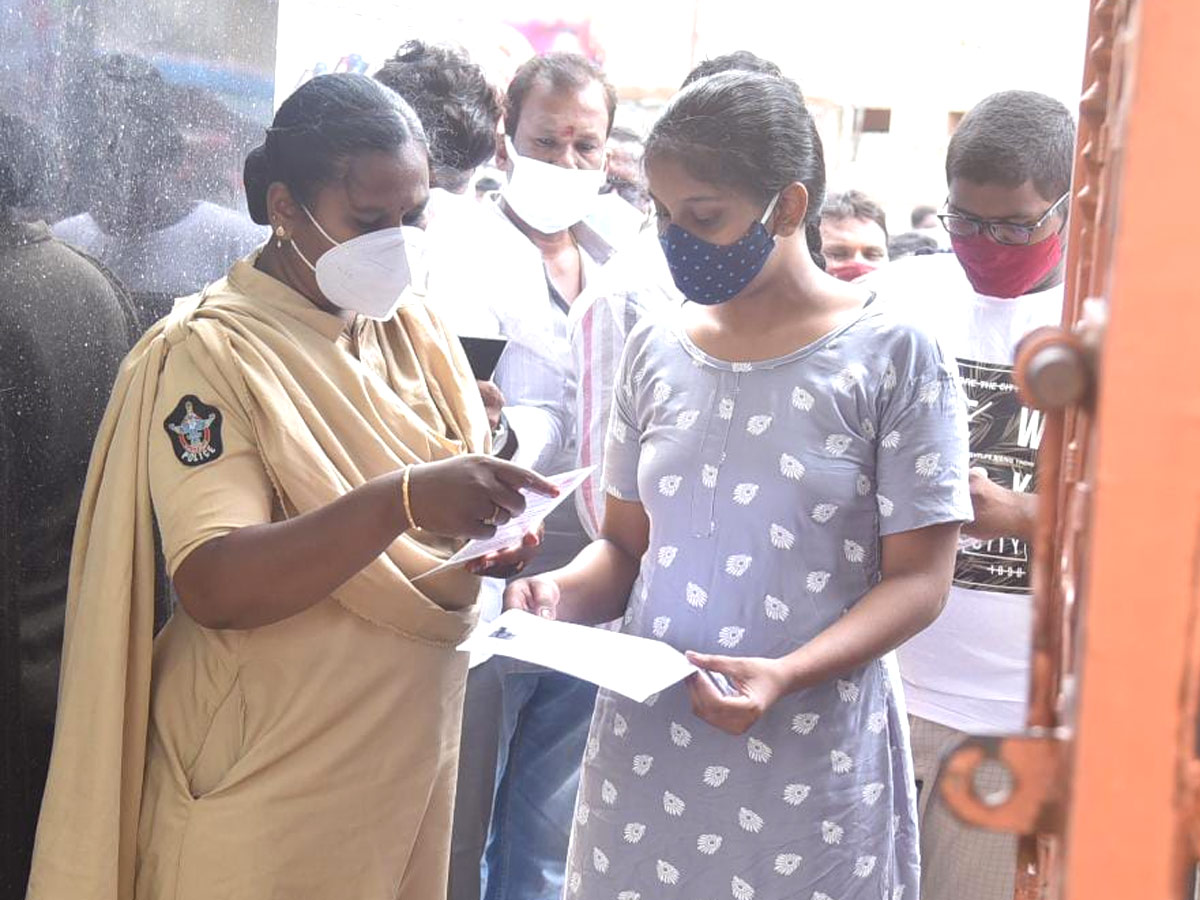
[(714, 273)]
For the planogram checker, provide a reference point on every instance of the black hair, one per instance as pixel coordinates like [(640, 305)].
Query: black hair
[(561, 71), (456, 104), (24, 166), (323, 123), (739, 61), (854, 205), (1013, 137), (921, 213), (485, 184), (748, 131), (911, 243)]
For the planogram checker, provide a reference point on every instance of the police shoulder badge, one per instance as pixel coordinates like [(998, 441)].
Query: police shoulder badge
[(194, 428)]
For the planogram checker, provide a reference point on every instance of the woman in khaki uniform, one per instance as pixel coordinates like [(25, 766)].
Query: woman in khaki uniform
[(306, 434)]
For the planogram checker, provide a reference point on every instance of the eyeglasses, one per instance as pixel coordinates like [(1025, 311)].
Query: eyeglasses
[(1000, 232)]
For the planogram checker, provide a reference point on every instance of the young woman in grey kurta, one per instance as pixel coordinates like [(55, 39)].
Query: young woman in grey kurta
[(769, 492)]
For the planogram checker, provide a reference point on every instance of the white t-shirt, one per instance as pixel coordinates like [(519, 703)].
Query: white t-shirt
[(970, 669)]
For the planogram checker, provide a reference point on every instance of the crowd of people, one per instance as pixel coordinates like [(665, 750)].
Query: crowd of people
[(813, 475)]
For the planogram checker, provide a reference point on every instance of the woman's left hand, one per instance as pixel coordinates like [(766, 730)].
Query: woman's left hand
[(759, 683), (511, 562)]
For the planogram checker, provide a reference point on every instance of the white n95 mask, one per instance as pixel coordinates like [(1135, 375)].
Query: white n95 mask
[(547, 197), (369, 273)]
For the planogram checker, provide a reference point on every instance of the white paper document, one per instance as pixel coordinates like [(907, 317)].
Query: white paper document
[(635, 667), (512, 532)]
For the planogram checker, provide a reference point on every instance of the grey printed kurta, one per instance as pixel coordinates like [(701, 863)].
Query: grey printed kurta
[(768, 486)]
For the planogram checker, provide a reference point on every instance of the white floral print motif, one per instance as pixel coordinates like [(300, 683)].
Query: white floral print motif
[(599, 860), (582, 813), (758, 425), (891, 440), (714, 776), (680, 736), (738, 565), (781, 538), (742, 890), (823, 512), (816, 581), (876, 722), (832, 833), (708, 844), (725, 409), (927, 465), (669, 485), (837, 444), (634, 832), (758, 751), (853, 551), (864, 866), (666, 556), (847, 691), (850, 377), (862, 485), (804, 723), (744, 494), (776, 609), (868, 429), (576, 882), (687, 419), (790, 467), (872, 792), (889, 377), (608, 792), (930, 392), (708, 476), (642, 764), (730, 636), (660, 626), (629, 895), (802, 400), (750, 820), (795, 794), (886, 506), (743, 367), (697, 596), (620, 725), (787, 863), (673, 805), (840, 762), (667, 873), (662, 392)]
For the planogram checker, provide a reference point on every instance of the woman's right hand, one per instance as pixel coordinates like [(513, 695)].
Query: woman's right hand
[(538, 595), (468, 496)]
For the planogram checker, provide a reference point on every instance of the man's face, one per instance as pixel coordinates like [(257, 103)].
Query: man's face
[(852, 247), (1021, 205), (625, 161), (563, 127)]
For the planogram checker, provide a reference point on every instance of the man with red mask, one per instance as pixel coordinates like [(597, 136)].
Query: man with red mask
[(854, 236), (1009, 173)]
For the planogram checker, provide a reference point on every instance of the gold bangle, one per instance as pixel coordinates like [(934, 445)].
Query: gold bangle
[(412, 522)]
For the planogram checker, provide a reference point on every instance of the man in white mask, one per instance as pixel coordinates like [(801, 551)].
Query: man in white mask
[(532, 273)]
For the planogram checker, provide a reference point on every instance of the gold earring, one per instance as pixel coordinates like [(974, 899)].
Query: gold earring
[(280, 236)]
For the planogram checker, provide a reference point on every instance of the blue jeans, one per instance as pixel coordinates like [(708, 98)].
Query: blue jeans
[(524, 732)]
